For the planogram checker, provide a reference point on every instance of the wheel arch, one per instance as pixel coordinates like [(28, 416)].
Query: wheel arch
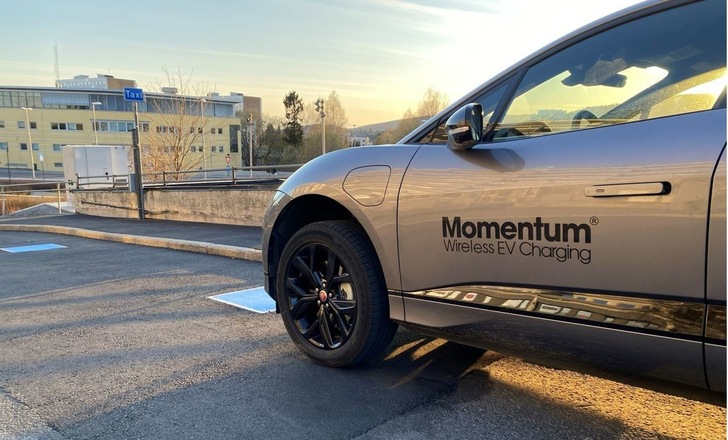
[(302, 211)]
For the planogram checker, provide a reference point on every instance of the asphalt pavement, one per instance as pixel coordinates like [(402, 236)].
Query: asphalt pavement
[(242, 242), (136, 349)]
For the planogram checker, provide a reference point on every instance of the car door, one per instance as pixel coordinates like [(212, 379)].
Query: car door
[(578, 226)]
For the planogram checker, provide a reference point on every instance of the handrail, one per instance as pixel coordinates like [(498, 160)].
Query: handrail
[(165, 178), (232, 175), (5, 194)]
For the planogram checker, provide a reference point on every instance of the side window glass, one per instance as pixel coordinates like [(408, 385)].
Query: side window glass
[(488, 100), (665, 64)]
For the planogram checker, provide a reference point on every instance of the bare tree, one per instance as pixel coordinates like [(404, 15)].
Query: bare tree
[(432, 103), (175, 143), (405, 125), (336, 133), (269, 146)]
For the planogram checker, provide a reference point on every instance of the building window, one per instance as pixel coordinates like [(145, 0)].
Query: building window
[(145, 127), (69, 126), (23, 146), (20, 99), (114, 126), (3, 145), (2, 124), (219, 131), (36, 147), (220, 148), (193, 149), (56, 147), (58, 164), (212, 149), (166, 129), (33, 125), (21, 124), (212, 131)]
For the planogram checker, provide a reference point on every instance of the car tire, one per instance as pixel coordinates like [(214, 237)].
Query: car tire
[(332, 295)]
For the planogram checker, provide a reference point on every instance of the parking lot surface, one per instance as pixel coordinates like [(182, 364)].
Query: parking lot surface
[(108, 340)]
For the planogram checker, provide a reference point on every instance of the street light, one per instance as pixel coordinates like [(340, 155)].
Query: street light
[(202, 113), (30, 140), (40, 158), (7, 162), (93, 109), (251, 124), (320, 110)]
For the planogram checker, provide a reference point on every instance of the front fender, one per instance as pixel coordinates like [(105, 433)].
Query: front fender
[(365, 181)]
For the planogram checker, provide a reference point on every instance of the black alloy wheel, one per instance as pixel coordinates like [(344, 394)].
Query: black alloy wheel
[(320, 295), (331, 294)]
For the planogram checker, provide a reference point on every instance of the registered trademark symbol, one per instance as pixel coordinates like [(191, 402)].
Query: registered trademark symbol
[(594, 221)]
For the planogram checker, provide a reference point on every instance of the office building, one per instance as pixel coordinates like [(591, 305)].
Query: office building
[(176, 131)]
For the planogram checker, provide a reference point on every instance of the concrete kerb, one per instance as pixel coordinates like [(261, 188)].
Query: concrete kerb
[(241, 253)]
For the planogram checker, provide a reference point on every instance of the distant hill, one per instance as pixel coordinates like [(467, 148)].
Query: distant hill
[(372, 130)]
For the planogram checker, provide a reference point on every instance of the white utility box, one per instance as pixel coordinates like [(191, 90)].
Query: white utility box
[(96, 166)]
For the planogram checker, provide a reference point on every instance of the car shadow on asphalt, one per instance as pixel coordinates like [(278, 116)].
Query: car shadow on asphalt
[(421, 388)]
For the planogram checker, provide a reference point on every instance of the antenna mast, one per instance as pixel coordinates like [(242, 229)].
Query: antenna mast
[(55, 62)]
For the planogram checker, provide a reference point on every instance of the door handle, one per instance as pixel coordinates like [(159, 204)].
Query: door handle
[(628, 189)]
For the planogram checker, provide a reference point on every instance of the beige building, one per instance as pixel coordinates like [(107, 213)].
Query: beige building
[(38, 121)]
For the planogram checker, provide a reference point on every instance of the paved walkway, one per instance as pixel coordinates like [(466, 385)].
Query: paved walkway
[(241, 242)]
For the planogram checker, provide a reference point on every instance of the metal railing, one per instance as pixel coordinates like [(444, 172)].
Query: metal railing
[(22, 193), (230, 175), (45, 192)]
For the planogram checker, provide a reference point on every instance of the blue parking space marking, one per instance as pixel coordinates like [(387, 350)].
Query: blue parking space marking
[(254, 300), (32, 248)]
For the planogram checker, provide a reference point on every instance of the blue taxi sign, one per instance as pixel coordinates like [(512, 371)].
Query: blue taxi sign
[(132, 94)]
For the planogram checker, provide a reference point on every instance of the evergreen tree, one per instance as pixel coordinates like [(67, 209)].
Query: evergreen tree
[(293, 133)]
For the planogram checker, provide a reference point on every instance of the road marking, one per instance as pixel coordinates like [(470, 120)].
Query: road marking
[(32, 248), (254, 300)]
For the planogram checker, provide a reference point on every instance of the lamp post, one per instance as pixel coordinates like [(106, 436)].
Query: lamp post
[(7, 162), (30, 140), (249, 119), (93, 109), (320, 109), (40, 158), (202, 113)]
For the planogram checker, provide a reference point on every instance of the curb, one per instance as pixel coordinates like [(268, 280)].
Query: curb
[(241, 253)]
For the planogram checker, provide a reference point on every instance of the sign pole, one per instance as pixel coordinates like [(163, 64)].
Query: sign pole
[(137, 163), (252, 138), (136, 96)]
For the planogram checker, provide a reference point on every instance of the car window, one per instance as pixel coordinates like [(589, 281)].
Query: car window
[(488, 100), (666, 64)]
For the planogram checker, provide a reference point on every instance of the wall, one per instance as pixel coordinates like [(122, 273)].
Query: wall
[(226, 206)]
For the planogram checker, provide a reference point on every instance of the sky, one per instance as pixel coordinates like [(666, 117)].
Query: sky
[(380, 56)]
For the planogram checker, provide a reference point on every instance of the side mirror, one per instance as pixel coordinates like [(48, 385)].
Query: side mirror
[(465, 127)]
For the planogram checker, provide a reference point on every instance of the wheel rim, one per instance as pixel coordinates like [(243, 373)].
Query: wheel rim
[(320, 296)]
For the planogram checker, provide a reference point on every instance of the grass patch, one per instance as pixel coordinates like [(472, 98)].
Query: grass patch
[(16, 202)]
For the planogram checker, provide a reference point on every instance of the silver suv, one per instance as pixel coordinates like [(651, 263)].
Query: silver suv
[(573, 206)]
